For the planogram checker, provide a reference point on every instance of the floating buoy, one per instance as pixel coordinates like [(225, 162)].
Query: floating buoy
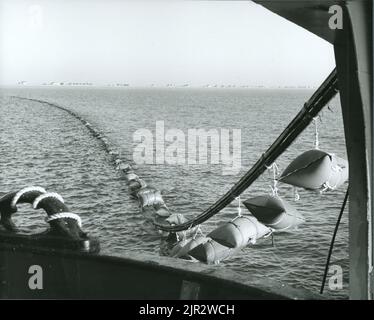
[(131, 176), (316, 170), (156, 214), (149, 213), (163, 211), (135, 185), (274, 212), (211, 252), (192, 243), (178, 247), (239, 232), (178, 218), (149, 196), (125, 169)]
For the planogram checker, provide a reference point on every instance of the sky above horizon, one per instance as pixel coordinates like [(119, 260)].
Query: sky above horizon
[(157, 42)]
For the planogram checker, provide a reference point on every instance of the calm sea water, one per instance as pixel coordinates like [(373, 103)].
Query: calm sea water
[(42, 145)]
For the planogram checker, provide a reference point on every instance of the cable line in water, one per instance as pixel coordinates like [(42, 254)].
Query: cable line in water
[(312, 107)]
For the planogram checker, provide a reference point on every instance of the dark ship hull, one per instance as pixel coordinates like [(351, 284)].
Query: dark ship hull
[(137, 276)]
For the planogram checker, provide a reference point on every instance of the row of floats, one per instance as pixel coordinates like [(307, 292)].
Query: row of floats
[(313, 170)]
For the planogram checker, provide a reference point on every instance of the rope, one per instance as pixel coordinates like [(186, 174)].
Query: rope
[(270, 234), (316, 134), (333, 241), (64, 215), (326, 185), (44, 196), (196, 232), (296, 194), (254, 240), (239, 208), (21, 192), (275, 169), (274, 191), (199, 230)]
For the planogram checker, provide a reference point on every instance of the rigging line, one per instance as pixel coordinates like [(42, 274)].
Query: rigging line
[(316, 133), (333, 241), (312, 107)]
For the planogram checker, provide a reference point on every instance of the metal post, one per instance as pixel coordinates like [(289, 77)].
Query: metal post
[(353, 55)]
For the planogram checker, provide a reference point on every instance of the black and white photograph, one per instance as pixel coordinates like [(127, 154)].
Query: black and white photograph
[(203, 151)]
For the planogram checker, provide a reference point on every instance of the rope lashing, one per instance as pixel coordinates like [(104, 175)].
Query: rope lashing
[(196, 232), (296, 194), (64, 215), (316, 133), (239, 207), (45, 196), (270, 234), (271, 231), (38, 197), (199, 230), (326, 185), (275, 169), (21, 192), (254, 239)]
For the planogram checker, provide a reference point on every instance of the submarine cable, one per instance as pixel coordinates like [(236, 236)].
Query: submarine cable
[(321, 97)]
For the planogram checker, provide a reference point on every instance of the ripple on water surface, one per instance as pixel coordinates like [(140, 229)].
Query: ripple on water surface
[(42, 145)]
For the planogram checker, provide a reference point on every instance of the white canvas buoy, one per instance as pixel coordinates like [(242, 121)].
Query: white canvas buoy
[(178, 218), (211, 252), (316, 170), (163, 211), (149, 196), (193, 243), (178, 247), (135, 185), (131, 176), (274, 212), (149, 213), (239, 232)]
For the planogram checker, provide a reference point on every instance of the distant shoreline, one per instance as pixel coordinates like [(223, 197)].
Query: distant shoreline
[(59, 87)]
